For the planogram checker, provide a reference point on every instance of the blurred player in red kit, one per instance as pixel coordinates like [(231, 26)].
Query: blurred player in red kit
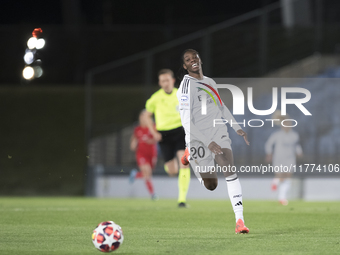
[(145, 146)]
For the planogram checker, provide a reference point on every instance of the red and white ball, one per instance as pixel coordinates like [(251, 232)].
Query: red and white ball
[(107, 236)]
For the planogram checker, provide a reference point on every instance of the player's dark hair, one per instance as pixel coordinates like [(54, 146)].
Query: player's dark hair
[(164, 71), (182, 71)]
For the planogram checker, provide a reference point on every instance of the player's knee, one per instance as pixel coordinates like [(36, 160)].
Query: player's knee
[(210, 185), (146, 175), (172, 172)]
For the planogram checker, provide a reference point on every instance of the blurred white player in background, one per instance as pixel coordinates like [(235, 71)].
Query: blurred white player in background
[(281, 149)]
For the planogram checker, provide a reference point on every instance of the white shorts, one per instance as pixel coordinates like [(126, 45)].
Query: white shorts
[(201, 158)]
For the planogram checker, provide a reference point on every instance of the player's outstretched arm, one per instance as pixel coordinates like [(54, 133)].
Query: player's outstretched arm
[(269, 158), (244, 134), (148, 119), (229, 117), (133, 143)]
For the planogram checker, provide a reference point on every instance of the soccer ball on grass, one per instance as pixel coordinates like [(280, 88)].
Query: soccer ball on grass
[(107, 236)]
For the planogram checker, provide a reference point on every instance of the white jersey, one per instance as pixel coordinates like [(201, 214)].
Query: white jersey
[(283, 146), (198, 126)]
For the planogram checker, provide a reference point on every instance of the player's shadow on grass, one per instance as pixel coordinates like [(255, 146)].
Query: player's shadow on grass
[(281, 231)]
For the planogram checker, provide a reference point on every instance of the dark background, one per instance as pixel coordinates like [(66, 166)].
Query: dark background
[(81, 35), (113, 12), (84, 34)]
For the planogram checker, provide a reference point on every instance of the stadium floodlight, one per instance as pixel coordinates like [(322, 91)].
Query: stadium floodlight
[(32, 61), (29, 57), (32, 43), (40, 43), (37, 32), (28, 73), (38, 72)]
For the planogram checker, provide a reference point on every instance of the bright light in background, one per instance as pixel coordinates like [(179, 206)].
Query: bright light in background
[(32, 56), (38, 71), (28, 72), (40, 43), (29, 57), (32, 42)]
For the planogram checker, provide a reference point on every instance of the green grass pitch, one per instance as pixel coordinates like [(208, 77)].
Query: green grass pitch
[(64, 226)]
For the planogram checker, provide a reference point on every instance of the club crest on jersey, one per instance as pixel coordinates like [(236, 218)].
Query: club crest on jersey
[(184, 98)]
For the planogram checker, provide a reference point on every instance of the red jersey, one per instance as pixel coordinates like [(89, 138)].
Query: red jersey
[(144, 138)]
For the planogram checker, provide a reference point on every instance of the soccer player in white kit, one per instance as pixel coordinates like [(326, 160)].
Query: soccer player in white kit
[(204, 142), (281, 149)]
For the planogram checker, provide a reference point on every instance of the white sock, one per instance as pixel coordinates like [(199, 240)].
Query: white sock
[(235, 195), (283, 189)]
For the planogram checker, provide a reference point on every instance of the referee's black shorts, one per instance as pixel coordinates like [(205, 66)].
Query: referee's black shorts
[(172, 141)]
